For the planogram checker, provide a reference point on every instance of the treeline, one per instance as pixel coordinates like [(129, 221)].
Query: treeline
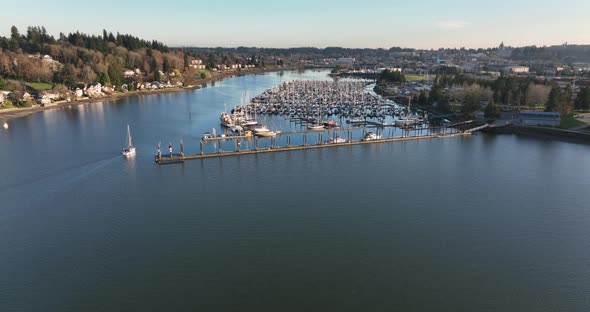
[(564, 53), (506, 90), (37, 40), (82, 58), (391, 76)]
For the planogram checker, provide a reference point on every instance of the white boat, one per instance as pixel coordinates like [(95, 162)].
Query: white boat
[(206, 136), (355, 120), (370, 136), (226, 120), (266, 134), (129, 149), (405, 122), (315, 127), (237, 130), (336, 140), (260, 128)]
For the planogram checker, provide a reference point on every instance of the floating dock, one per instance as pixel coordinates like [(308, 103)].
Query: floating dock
[(180, 158)]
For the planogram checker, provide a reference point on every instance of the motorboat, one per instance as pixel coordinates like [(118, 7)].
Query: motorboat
[(315, 127), (336, 140), (371, 136)]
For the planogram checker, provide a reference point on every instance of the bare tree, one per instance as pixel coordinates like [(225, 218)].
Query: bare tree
[(537, 94)]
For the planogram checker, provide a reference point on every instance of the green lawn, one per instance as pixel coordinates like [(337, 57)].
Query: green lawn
[(568, 122), (415, 77), (40, 85)]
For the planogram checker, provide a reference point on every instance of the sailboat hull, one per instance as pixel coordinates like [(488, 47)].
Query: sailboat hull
[(128, 152)]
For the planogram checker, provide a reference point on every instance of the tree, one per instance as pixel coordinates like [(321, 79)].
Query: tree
[(537, 94), (567, 102), (582, 101), (492, 110), (103, 78), (443, 105), (15, 39), (554, 99), (423, 99), (66, 76), (116, 75), (471, 104), (166, 65), (436, 94), (157, 76), (62, 91)]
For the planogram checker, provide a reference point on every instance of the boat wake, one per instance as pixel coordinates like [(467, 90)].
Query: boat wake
[(66, 177)]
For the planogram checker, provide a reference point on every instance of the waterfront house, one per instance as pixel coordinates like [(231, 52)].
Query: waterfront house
[(94, 90), (128, 73), (197, 64)]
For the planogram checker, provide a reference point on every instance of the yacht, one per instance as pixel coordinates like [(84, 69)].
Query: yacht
[(226, 120), (370, 136)]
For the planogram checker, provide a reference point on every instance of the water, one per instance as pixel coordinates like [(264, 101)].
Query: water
[(480, 223)]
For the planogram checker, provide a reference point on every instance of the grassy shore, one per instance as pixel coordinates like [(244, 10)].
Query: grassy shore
[(569, 122), (9, 113)]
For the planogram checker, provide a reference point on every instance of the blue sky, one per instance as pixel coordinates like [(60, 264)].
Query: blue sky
[(319, 23)]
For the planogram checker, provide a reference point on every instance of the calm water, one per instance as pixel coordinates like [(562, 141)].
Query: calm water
[(481, 223)]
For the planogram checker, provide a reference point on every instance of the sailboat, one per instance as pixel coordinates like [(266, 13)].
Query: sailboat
[(129, 149)]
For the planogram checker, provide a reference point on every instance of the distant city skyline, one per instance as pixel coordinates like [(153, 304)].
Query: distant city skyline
[(273, 24)]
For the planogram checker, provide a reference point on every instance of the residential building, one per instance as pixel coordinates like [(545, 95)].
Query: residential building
[(538, 118)]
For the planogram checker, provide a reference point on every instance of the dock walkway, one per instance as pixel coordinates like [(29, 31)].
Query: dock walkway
[(177, 158)]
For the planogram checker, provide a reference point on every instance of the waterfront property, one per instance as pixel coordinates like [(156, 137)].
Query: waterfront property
[(537, 118)]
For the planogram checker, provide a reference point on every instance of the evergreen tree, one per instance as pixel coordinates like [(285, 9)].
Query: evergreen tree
[(423, 99), (492, 110), (166, 65), (116, 75), (567, 101), (15, 39), (583, 99), (471, 104), (436, 94), (554, 101), (103, 78), (443, 105), (157, 76)]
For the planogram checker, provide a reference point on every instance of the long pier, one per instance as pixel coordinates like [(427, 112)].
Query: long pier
[(180, 158)]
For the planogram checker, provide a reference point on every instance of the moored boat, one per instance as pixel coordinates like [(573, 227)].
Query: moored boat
[(336, 140), (371, 136)]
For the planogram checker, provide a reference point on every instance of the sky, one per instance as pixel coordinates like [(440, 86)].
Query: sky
[(422, 24)]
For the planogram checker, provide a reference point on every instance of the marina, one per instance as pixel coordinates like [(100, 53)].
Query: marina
[(224, 146), (308, 114), (394, 223)]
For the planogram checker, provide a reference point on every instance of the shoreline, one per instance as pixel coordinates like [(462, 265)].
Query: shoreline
[(12, 113)]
